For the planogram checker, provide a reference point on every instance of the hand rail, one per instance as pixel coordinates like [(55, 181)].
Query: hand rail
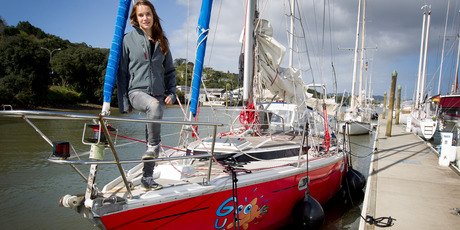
[(26, 114), (35, 114)]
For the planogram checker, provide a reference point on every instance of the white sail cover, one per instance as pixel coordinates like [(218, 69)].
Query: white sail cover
[(285, 82)]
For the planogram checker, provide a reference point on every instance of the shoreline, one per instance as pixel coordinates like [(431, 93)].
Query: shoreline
[(78, 106)]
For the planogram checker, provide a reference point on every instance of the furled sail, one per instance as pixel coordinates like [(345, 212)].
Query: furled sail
[(114, 56), (285, 82), (203, 28)]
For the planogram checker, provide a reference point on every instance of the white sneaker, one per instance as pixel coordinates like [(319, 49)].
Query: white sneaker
[(152, 152)]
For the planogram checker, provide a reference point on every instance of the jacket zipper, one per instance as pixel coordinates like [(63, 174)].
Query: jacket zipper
[(148, 57)]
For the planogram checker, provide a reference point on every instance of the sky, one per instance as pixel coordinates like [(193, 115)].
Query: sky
[(392, 36)]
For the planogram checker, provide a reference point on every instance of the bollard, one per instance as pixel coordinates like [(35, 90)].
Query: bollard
[(391, 103)]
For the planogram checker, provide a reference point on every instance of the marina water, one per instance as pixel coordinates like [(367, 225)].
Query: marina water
[(31, 186)]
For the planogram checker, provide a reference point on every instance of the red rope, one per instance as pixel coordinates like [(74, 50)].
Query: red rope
[(129, 138), (248, 118), (195, 128), (133, 139), (276, 76)]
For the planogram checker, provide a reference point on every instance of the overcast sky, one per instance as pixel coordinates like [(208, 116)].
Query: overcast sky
[(394, 26)]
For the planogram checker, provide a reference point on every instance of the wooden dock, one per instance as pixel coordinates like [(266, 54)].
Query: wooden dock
[(407, 183)]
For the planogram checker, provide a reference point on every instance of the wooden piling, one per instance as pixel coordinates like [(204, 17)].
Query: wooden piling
[(398, 105), (391, 103), (384, 105)]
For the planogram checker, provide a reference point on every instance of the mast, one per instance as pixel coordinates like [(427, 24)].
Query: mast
[(115, 50), (422, 41), (360, 93), (353, 102), (203, 29), (427, 35), (443, 45), (455, 89), (248, 49), (291, 36)]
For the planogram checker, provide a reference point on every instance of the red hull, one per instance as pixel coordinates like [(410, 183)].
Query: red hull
[(266, 205)]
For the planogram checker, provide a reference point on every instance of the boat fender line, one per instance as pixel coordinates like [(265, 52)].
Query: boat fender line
[(354, 180), (236, 220), (311, 213), (346, 141)]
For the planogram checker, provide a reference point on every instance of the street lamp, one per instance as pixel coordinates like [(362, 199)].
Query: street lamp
[(51, 56)]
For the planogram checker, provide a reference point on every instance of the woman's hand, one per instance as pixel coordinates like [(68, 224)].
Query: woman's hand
[(168, 100)]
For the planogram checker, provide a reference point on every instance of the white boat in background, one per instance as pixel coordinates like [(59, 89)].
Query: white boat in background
[(424, 120), (357, 116), (423, 116), (358, 122), (405, 111)]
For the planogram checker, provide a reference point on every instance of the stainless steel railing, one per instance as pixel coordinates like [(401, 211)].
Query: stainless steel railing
[(103, 120)]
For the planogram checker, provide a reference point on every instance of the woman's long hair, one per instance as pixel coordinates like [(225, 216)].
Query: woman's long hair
[(157, 31)]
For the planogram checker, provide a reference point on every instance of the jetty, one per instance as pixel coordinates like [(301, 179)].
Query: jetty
[(407, 183)]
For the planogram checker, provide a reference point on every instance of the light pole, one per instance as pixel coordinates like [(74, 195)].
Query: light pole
[(51, 56)]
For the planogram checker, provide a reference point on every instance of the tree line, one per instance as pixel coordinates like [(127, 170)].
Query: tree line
[(40, 69)]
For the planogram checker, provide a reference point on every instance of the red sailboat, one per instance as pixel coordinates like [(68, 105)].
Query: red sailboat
[(278, 166)]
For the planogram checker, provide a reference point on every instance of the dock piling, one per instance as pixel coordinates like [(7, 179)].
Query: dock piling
[(384, 105), (391, 103), (398, 105)]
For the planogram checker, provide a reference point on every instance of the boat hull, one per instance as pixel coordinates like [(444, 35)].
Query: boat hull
[(356, 128), (265, 205), (423, 127)]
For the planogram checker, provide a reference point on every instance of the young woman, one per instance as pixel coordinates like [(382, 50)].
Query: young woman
[(146, 78)]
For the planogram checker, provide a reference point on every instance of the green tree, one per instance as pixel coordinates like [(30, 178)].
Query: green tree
[(23, 71), (2, 25), (31, 30), (82, 69)]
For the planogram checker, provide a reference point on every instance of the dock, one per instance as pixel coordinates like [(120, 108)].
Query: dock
[(407, 183)]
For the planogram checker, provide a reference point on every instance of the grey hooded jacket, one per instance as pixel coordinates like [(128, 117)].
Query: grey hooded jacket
[(138, 70)]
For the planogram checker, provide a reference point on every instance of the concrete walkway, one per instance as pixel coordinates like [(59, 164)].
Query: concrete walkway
[(407, 184)]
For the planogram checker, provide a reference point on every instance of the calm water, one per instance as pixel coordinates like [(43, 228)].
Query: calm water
[(31, 186)]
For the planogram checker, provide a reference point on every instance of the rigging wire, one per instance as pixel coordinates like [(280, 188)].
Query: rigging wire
[(215, 32)]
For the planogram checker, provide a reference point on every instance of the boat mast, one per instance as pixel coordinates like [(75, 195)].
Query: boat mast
[(353, 102), (427, 35), (455, 89), (249, 50), (360, 93), (443, 45), (422, 41), (203, 29), (291, 36)]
